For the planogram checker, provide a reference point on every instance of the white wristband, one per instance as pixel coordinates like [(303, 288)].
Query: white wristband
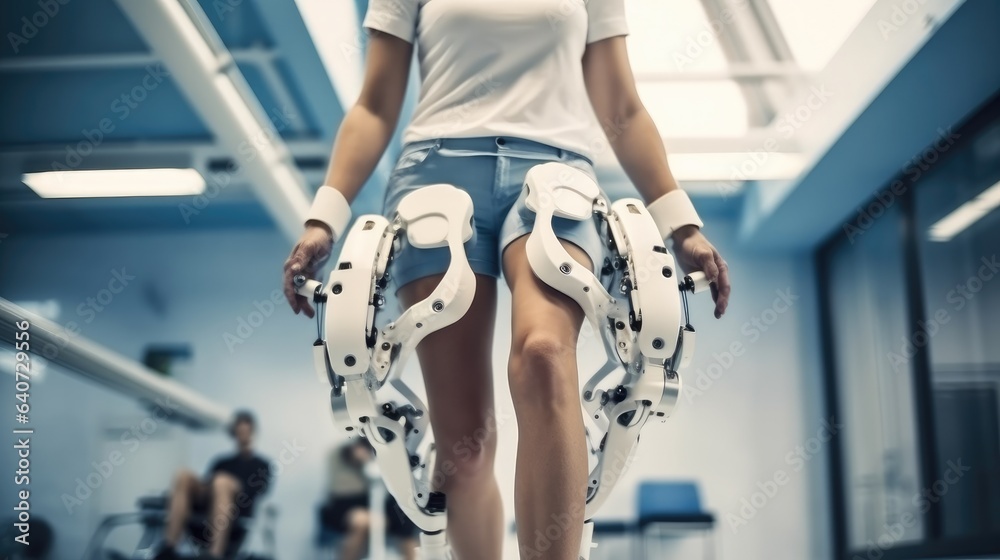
[(331, 208), (673, 211)]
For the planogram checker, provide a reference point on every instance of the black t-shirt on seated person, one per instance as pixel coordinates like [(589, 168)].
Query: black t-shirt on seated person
[(253, 474)]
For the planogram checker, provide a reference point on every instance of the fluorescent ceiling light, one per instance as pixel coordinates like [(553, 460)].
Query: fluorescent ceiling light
[(737, 167), (965, 215), (115, 182)]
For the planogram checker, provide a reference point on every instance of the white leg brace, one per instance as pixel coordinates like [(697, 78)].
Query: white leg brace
[(647, 337), (359, 360)]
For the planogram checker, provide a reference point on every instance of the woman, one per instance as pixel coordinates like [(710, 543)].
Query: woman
[(505, 86)]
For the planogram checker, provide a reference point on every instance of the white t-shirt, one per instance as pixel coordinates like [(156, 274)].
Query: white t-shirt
[(502, 67)]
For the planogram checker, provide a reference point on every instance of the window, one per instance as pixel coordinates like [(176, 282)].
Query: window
[(875, 391), (958, 224), (913, 359)]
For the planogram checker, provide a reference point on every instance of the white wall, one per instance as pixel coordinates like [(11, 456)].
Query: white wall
[(194, 286)]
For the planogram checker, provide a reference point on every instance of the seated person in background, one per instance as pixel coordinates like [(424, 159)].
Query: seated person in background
[(224, 496), (346, 509)]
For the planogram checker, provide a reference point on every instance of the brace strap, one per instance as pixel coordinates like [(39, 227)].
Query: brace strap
[(673, 211), (330, 207)]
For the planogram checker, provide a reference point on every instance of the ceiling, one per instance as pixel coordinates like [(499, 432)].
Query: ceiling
[(83, 90)]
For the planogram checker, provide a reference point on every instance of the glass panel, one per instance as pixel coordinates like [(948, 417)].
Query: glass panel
[(881, 476), (816, 29), (959, 224)]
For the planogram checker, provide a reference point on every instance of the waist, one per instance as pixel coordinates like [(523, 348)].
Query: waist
[(510, 146)]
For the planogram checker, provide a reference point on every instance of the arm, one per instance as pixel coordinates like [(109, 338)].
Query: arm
[(639, 148), (363, 136)]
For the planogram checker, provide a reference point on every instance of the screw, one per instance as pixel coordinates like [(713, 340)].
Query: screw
[(657, 343), (337, 288), (667, 273), (588, 395), (565, 268), (437, 306), (419, 325), (619, 325), (350, 361), (386, 346)]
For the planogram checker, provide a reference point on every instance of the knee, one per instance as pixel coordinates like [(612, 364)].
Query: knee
[(542, 370), (185, 479), (224, 485), (358, 521), (466, 461)]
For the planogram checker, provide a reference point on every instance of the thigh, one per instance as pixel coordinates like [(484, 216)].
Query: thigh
[(538, 309), (457, 363)]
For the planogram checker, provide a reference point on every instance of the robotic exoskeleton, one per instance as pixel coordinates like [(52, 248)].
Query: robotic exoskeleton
[(637, 303)]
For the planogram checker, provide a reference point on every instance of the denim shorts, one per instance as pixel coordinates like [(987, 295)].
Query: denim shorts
[(492, 170)]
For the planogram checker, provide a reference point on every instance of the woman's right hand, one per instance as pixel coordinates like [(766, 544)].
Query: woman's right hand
[(308, 256)]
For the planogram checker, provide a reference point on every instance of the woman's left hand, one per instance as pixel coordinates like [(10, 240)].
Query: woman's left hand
[(695, 253)]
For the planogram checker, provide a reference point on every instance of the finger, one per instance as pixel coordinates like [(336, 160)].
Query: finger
[(293, 267), (706, 262), (723, 286), (291, 296), (306, 308)]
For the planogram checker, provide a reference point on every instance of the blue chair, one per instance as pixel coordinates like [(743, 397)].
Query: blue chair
[(671, 509)]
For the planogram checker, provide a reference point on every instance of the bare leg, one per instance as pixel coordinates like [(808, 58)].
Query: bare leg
[(551, 476), (224, 511), (458, 372), (358, 522), (187, 488)]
